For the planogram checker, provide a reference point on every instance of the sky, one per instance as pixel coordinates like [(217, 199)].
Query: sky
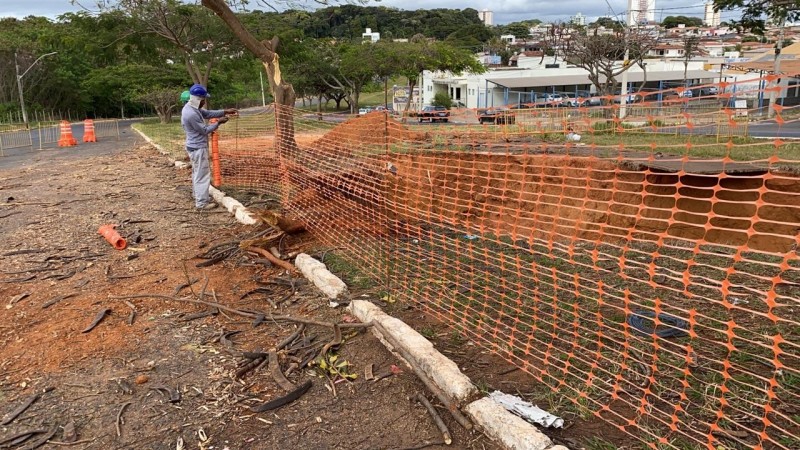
[(504, 10)]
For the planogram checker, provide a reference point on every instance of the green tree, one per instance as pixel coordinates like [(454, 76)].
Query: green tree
[(197, 39), (674, 21), (351, 68), (754, 12), (422, 54), (607, 22)]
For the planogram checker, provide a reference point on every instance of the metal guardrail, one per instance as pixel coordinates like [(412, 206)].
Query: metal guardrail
[(15, 139), (106, 128), (47, 134)]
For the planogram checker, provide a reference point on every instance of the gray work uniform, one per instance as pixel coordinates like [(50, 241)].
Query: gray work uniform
[(197, 131)]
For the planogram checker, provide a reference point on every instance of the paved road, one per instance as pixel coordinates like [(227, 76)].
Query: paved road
[(772, 129), (26, 156), (768, 129)]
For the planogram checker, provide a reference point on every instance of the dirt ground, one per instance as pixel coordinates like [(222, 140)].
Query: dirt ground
[(112, 385)]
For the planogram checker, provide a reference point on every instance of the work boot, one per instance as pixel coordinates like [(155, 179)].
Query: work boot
[(207, 207)]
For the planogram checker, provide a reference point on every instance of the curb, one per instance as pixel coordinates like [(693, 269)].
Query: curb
[(176, 163), (511, 431), (239, 211), (316, 272)]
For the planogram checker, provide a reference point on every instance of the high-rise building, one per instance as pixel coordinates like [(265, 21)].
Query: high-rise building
[(486, 17), (578, 19), (641, 11), (711, 18)]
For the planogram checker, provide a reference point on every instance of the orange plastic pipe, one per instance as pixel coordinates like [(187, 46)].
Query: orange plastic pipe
[(216, 173), (113, 238)]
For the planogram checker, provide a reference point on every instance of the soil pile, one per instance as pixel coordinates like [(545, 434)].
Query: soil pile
[(370, 130), (561, 198)]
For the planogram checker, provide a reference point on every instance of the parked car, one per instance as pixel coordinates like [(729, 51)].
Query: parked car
[(548, 100), (574, 102), (433, 114), (497, 116), (363, 111), (630, 98), (706, 91), (553, 98)]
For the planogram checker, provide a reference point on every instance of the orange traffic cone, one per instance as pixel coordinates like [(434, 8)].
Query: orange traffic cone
[(88, 131), (66, 139)]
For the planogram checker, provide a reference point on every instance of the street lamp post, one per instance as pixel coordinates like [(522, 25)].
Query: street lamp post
[(19, 83)]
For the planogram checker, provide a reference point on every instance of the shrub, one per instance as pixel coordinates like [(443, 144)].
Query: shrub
[(442, 99)]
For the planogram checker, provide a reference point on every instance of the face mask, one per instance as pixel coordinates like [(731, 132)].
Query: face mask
[(196, 101)]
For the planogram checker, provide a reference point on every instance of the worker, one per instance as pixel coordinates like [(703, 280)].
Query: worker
[(193, 121)]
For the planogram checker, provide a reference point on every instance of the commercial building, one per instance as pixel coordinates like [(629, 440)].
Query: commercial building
[(531, 82)]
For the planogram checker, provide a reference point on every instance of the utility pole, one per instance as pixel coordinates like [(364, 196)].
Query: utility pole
[(19, 83), (777, 69)]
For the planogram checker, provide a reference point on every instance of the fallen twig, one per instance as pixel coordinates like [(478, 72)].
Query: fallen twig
[(41, 441), (174, 395), (291, 337), (200, 315), (132, 315), (119, 421), (14, 439), (183, 286), (19, 280), (220, 257), (251, 365), (8, 418), (97, 319), (84, 441), (425, 444), (278, 262), (285, 400), (17, 298), (57, 299), (25, 251), (436, 418), (277, 374)]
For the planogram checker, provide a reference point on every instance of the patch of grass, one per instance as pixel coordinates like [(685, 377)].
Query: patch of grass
[(695, 146), (169, 136), (428, 331), (350, 274), (597, 443)]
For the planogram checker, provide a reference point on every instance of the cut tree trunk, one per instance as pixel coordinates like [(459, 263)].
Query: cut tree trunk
[(282, 92)]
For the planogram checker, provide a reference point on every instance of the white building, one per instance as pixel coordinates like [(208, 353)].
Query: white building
[(641, 11), (529, 84), (369, 36), (508, 39), (711, 18), (578, 19), (487, 17)]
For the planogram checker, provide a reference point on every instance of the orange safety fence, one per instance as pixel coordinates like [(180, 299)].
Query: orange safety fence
[(646, 274)]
